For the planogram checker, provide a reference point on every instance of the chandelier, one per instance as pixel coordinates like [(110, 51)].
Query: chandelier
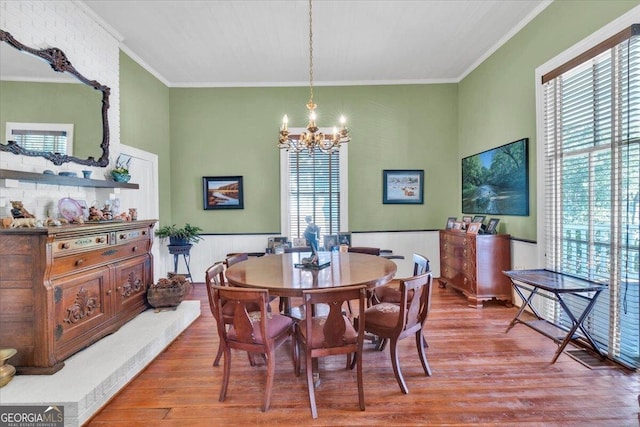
[(313, 139)]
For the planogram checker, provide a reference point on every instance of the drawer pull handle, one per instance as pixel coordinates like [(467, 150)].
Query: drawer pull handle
[(100, 240), (109, 292), (144, 232), (133, 249), (123, 236), (64, 246), (79, 262)]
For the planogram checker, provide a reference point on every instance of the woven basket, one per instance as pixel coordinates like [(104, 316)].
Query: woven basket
[(170, 296)]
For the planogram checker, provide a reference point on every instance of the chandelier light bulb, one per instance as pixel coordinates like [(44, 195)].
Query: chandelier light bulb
[(285, 122)]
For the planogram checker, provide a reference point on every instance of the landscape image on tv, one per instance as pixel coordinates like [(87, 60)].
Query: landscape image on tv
[(496, 181)]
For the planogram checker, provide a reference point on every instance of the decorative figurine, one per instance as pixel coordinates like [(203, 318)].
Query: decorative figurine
[(18, 210), (311, 233)]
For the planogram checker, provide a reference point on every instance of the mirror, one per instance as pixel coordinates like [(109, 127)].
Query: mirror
[(54, 97)]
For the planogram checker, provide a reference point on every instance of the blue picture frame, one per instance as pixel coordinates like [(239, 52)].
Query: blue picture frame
[(404, 186)]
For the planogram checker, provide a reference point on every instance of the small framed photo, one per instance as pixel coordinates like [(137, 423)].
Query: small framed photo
[(474, 227), (492, 228), (299, 242), (450, 221), (222, 192), (403, 186), (344, 239), (330, 240), (478, 218), (457, 225)]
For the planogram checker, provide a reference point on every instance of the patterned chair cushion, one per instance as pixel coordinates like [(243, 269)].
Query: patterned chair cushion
[(383, 315), (276, 325)]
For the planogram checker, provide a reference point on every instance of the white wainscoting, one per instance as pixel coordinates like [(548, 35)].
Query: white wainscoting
[(213, 248)]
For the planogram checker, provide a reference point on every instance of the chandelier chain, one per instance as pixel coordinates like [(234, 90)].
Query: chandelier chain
[(310, 54), (313, 139)]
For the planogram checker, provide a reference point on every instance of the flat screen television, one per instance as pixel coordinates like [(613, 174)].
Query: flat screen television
[(496, 181)]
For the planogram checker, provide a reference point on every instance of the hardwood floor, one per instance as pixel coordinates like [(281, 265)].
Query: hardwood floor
[(481, 376)]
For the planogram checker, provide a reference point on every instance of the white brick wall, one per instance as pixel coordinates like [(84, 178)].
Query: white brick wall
[(94, 52)]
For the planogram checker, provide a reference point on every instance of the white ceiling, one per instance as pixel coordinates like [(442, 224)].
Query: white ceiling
[(265, 42)]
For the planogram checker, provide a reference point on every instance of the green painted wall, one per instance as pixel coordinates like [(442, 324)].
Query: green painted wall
[(497, 100), (72, 103), (144, 122), (233, 131)]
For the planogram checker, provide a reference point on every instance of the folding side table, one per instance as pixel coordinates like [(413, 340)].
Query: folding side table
[(559, 285)]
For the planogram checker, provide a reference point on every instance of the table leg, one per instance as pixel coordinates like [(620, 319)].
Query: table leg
[(577, 324), (526, 302)]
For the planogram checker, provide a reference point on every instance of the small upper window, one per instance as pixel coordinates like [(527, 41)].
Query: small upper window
[(45, 137)]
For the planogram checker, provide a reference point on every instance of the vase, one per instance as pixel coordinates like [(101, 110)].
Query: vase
[(120, 177), (6, 371)]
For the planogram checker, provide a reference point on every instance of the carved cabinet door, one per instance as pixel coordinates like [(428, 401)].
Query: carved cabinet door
[(82, 304), (131, 283)]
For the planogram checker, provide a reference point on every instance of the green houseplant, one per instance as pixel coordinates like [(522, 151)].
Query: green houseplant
[(180, 236), (120, 174)]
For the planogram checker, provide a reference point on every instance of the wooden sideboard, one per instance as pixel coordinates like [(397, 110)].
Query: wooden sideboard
[(64, 288), (473, 264)]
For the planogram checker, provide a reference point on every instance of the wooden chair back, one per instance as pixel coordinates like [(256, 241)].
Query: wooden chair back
[(364, 250), (333, 334), (235, 258), (420, 264), (415, 303)]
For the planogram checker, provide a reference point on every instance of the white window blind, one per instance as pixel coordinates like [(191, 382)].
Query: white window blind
[(592, 186), (313, 185), (47, 137)]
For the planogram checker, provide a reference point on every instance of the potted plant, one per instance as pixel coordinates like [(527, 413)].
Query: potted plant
[(180, 236), (120, 174)]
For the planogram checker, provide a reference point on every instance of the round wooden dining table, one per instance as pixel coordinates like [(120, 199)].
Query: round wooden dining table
[(281, 277)]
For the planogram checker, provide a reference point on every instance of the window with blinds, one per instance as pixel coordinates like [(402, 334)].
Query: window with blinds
[(592, 186), (46, 137), (313, 184)]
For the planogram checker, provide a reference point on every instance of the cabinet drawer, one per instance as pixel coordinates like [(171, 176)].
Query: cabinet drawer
[(131, 235), (71, 245), (84, 260)]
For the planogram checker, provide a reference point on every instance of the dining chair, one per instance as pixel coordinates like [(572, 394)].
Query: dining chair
[(215, 276), (364, 250), (233, 259), (391, 293), (252, 331), (398, 321), (320, 336)]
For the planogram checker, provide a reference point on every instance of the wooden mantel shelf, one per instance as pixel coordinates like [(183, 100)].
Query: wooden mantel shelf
[(63, 180)]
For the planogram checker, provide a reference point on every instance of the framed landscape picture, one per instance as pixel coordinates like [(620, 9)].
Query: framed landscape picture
[(496, 181), (222, 192), (403, 187)]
